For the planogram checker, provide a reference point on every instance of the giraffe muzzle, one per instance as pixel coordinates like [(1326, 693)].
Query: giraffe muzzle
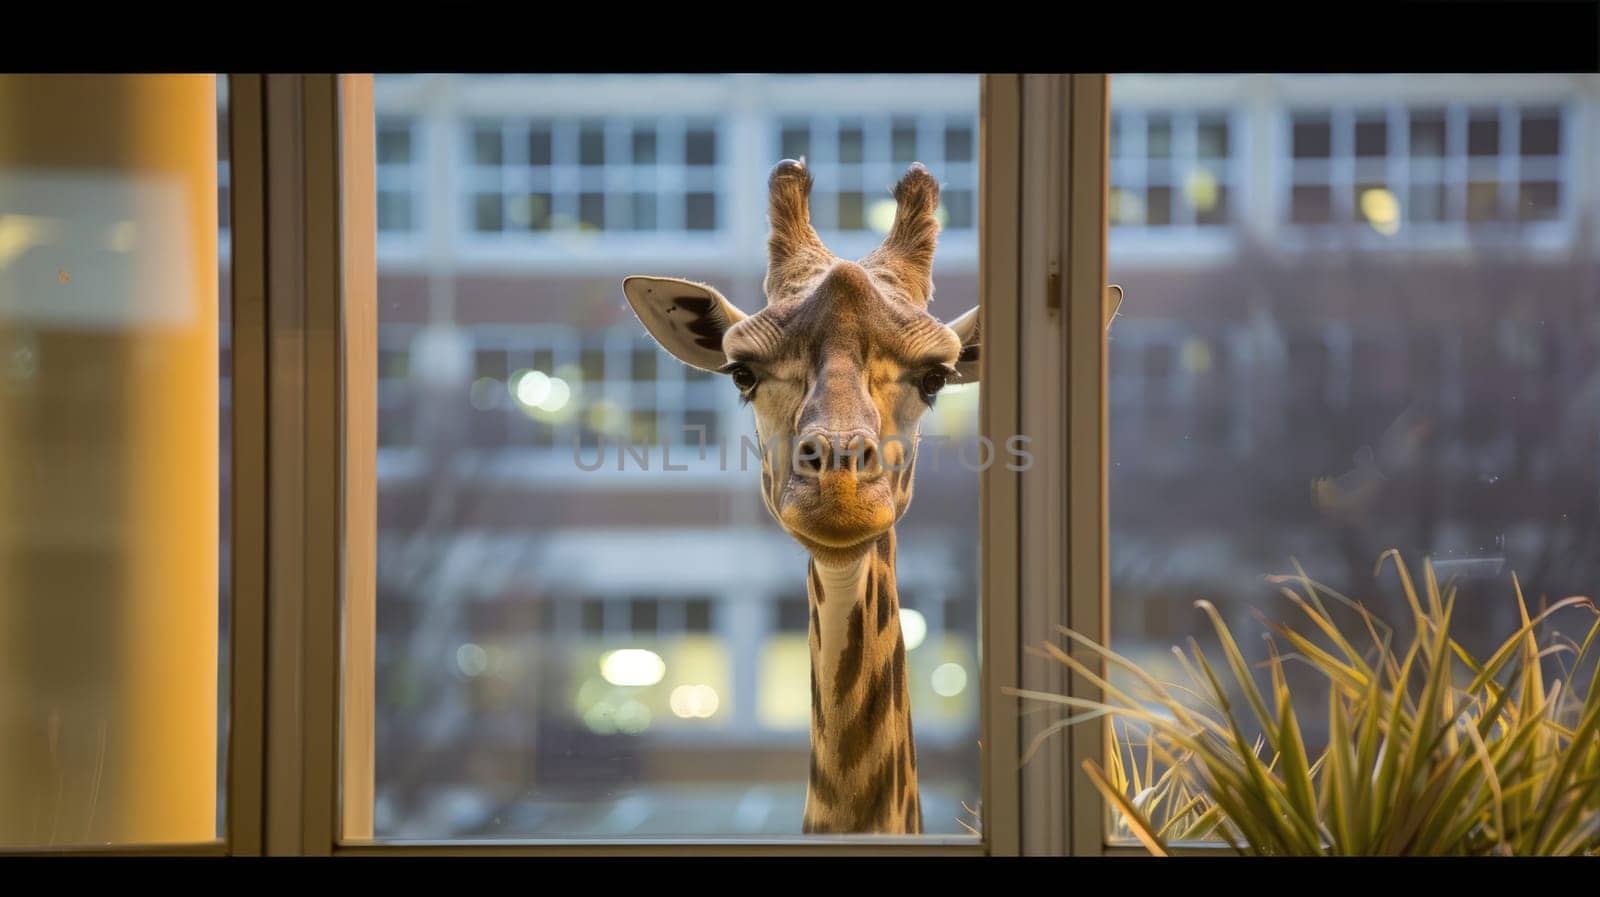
[(854, 455)]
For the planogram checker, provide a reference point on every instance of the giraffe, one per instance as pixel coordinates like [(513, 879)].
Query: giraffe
[(839, 368)]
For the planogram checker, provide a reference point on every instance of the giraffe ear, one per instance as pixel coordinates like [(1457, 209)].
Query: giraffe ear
[(967, 328), (688, 319)]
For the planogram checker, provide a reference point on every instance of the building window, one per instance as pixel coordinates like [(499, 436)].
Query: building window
[(1171, 169), (1424, 165), (397, 175), (636, 175), (857, 160), (609, 385)]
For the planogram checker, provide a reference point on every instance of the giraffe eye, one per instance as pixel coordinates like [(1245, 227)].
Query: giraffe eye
[(932, 382), (744, 379)]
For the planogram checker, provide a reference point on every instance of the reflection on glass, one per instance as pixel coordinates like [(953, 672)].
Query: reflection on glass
[(1430, 389), (569, 649)]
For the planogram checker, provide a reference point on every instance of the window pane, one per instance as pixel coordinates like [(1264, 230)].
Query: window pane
[(539, 148), (394, 144), (700, 147), (903, 142), (394, 211), (1158, 142), (1539, 200), (1372, 138), (1427, 133), (958, 204), (592, 145), (114, 423), (487, 212), (1158, 207), (850, 144), (567, 651), (852, 211), (1427, 203), (486, 143), (644, 211), (700, 211), (1541, 133), (592, 210), (1212, 208), (644, 146), (958, 143), (1483, 200), (1383, 387), (1311, 205), (796, 141), (1313, 137), (1483, 134), (1212, 139)]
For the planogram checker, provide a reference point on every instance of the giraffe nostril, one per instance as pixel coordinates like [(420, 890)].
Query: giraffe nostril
[(811, 453), (869, 457)]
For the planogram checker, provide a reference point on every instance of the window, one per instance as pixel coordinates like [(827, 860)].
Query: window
[(1395, 168), (857, 159), (588, 626), (1360, 400), (619, 173), (398, 154), (1171, 169)]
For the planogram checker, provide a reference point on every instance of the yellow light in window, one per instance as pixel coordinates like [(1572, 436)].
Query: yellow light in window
[(1123, 207), (485, 393), (557, 396), (606, 416), (1201, 188), (880, 215), (1382, 210), (632, 717), (784, 697), (914, 626), (694, 701), (1195, 356), (949, 679), (632, 666), (471, 660), (530, 387)]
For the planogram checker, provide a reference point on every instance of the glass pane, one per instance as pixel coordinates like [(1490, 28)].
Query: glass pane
[(566, 651), (1212, 138), (1313, 137), (1311, 204), (700, 147), (795, 141), (1483, 133), (1427, 133), (644, 146), (1372, 138), (903, 142), (958, 143), (592, 144), (1541, 132), (113, 415), (1318, 398)]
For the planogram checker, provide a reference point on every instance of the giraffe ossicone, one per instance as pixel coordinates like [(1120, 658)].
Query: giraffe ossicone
[(840, 367)]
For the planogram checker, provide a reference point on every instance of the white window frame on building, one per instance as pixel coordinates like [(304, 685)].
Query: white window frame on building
[(1460, 166)]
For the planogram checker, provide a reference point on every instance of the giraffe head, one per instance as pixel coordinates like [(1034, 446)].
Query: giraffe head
[(840, 366)]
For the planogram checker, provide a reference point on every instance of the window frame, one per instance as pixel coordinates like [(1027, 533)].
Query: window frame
[(305, 336)]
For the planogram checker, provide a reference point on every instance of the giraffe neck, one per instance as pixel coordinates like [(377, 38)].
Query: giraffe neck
[(863, 757)]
